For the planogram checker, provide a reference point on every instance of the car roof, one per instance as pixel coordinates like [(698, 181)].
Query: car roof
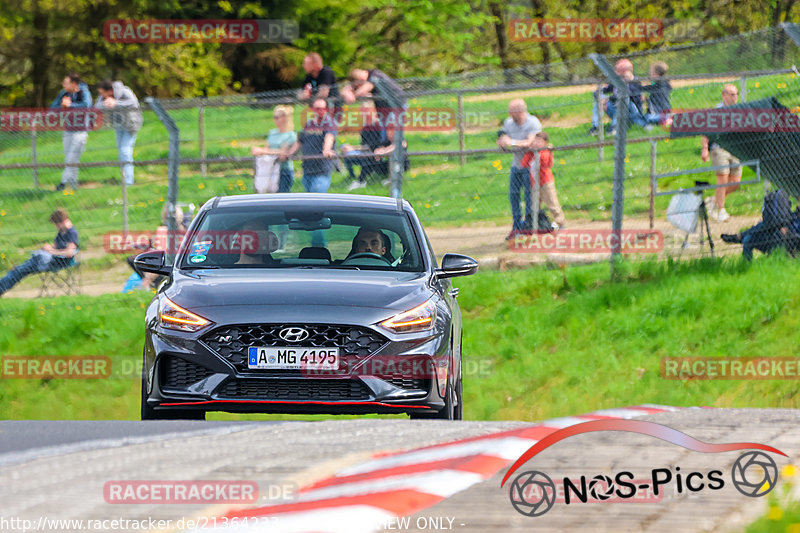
[(323, 200)]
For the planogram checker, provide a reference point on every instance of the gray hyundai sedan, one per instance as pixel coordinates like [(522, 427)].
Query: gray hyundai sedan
[(303, 303)]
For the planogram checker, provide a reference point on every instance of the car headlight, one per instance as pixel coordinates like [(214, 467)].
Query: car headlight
[(420, 318), (173, 316)]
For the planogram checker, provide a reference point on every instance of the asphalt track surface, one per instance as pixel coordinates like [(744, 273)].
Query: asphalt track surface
[(378, 475)]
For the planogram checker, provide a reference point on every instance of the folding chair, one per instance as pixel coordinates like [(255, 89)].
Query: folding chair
[(66, 280)]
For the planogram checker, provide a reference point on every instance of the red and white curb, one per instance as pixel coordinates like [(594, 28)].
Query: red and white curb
[(367, 496)]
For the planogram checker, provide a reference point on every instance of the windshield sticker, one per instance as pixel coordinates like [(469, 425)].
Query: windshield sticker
[(197, 258), (201, 248)]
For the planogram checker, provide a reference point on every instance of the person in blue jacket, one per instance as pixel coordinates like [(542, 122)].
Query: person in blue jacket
[(74, 95)]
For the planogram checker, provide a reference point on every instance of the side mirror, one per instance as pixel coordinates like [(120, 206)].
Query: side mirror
[(456, 265), (153, 262)]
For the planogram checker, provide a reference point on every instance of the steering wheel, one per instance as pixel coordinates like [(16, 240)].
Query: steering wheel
[(366, 255)]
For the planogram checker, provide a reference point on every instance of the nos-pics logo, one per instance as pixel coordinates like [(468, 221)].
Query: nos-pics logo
[(533, 493)]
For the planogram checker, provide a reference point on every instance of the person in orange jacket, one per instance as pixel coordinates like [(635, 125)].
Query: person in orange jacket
[(547, 185)]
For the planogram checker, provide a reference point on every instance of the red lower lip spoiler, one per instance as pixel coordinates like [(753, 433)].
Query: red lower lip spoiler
[(381, 404)]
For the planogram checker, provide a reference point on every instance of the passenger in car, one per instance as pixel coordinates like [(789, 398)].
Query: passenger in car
[(257, 244)]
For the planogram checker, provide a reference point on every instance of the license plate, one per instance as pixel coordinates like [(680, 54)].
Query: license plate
[(292, 358)]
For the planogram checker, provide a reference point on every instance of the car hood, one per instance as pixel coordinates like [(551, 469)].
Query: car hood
[(294, 288)]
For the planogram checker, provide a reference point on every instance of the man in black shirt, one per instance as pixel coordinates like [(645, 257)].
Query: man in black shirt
[(54, 256), (320, 81)]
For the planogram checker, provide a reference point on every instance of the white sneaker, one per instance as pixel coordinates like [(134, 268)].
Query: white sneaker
[(711, 209), (356, 185), (386, 182), (722, 215)]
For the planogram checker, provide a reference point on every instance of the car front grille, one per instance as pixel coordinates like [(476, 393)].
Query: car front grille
[(178, 373), (295, 389), (232, 342)]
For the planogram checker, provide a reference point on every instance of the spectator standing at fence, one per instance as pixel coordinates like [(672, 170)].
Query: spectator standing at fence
[(317, 139), (54, 256), (279, 141), (722, 158), (320, 81), (547, 185), (519, 131), (658, 95), (73, 95), (123, 111)]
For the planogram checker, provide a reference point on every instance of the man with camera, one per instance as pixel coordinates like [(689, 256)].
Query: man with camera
[(519, 133)]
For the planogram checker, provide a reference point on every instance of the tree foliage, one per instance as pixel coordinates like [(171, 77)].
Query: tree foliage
[(41, 40)]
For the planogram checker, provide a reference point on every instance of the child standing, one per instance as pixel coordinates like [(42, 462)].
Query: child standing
[(547, 185)]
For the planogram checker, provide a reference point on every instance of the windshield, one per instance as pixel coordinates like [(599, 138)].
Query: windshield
[(258, 237)]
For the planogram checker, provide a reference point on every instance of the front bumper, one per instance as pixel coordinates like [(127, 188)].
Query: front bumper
[(184, 372)]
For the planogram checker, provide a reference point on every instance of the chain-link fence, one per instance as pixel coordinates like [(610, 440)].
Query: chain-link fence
[(456, 176)]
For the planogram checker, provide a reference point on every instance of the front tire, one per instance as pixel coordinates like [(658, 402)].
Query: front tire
[(452, 409)]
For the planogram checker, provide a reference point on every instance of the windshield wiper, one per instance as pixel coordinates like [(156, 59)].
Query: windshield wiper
[(200, 267), (326, 267)]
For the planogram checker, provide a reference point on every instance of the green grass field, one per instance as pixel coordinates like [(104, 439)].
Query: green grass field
[(537, 343), (443, 192)]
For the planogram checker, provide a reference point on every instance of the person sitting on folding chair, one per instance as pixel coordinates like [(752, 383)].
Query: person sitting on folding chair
[(779, 228), (50, 257)]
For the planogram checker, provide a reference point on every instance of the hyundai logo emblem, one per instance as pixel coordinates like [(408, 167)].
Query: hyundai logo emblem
[(293, 334)]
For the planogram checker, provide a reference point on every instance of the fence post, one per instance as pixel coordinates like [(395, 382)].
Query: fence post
[(462, 157), (535, 207), (33, 158), (618, 186), (601, 129), (743, 88), (124, 207), (172, 166), (201, 137), (652, 182), (397, 104)]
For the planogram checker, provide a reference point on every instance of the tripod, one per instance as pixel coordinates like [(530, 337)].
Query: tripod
[(702, 216)]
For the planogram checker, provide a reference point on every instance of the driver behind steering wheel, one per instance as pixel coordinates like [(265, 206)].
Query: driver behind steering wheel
[(368, 240), (372, 241)]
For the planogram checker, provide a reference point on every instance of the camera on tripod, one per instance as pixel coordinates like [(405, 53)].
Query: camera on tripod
[(687, 210)]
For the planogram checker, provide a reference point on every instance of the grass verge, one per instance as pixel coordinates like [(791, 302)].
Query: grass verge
[(537, 343)]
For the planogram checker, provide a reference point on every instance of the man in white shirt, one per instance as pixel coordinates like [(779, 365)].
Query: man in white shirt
[(519, 131)]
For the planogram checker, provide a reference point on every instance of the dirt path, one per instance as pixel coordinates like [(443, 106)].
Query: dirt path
[(582, 89), (486, 242)]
